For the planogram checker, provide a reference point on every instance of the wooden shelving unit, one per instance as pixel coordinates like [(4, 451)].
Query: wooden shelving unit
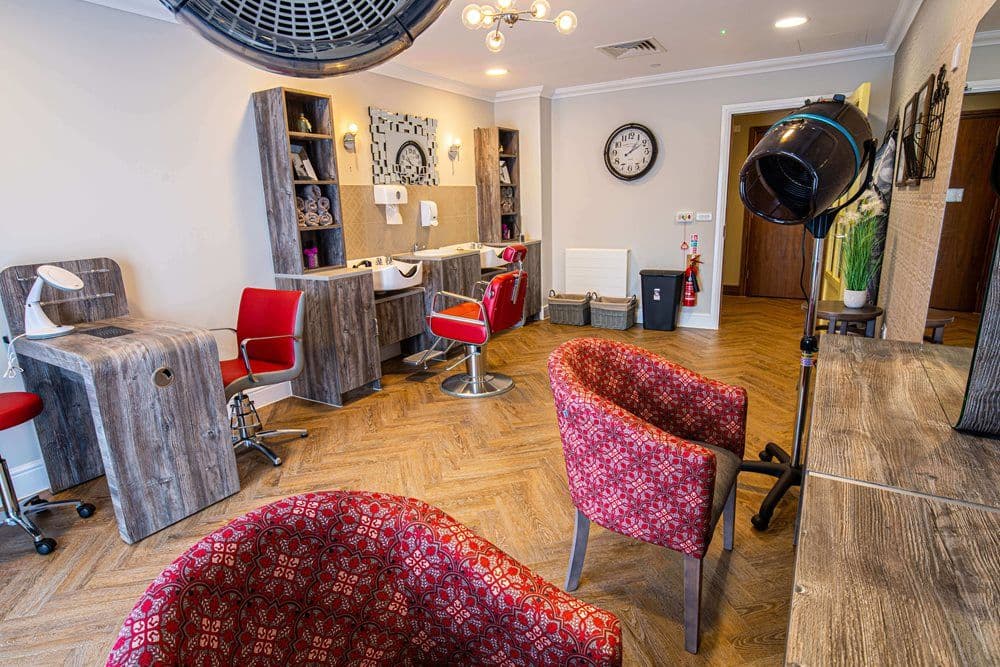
[(277, 111), (499, 203)]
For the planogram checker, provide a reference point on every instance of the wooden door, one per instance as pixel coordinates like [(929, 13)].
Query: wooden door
[(772, 253), (969, 226), (355, 332)]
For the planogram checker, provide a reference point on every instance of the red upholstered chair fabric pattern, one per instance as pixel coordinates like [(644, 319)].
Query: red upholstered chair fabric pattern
[(341, 578), (268, 312), (17, 407), (627, 419)]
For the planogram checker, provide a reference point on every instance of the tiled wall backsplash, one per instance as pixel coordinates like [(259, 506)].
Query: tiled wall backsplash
[(366, 233)]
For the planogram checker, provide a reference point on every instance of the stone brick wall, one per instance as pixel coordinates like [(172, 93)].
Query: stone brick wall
[(918, 211)]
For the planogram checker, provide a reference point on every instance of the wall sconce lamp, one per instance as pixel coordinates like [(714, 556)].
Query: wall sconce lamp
[(453, 150), (351, 138)]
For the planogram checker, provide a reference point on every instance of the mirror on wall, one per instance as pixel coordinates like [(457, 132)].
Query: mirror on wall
[(965, 297), (404, 148)]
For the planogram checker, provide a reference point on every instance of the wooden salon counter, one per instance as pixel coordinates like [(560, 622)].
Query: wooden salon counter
[(146, 408), (899, 547)]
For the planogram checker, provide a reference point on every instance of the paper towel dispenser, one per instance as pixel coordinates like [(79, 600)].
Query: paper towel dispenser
[(429, 214), (391, 196)]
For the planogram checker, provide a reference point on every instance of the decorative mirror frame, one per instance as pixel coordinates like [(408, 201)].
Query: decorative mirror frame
[(389, 132)]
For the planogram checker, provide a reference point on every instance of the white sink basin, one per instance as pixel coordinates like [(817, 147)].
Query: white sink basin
[(390, 275), (489, 257), (434, 252)]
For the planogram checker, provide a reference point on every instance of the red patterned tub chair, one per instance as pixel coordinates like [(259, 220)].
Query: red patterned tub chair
[(354, 578), (652, 451)]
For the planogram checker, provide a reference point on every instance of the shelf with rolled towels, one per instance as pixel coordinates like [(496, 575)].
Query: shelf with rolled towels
[(313, 209)]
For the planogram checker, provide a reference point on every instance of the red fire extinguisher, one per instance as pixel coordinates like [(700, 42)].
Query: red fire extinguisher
[(691, 285)]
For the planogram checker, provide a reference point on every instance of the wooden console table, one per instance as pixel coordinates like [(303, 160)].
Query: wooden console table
[(899, 544), (145, 408)]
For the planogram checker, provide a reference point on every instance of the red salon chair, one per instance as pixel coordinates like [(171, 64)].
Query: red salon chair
[(473, 322), (269, 332), (16, 408)]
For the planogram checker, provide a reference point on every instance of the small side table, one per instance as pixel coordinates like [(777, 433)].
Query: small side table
[(841, 317), (937, 320)]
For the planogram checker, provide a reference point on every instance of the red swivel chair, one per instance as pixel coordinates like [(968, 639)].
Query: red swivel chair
[(652, 451), (269, 332), (357, 578), (18, 407), (473, 322)]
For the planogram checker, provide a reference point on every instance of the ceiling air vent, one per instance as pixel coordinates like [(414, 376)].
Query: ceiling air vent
[(310, 38), (634, 49)]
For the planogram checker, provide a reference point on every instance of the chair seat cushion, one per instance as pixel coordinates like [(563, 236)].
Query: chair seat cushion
[(727, 467), (474, 333), (234, 369), (17, 407)]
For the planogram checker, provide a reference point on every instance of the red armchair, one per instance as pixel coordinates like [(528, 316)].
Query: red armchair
[(342, 578), (652, 451)]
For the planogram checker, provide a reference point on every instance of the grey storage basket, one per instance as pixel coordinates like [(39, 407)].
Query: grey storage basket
[(608, 312), (573, 309)]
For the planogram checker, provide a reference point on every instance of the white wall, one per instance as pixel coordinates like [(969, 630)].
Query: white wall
[(593, 209), (134, 139)]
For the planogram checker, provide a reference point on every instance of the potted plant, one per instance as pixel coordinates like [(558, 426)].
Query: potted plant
[(859, 266)]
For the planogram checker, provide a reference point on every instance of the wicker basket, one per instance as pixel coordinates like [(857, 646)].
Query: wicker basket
[(608, 312), (573, 309)]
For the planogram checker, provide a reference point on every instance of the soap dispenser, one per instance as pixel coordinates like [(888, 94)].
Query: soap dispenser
[(428, 214)]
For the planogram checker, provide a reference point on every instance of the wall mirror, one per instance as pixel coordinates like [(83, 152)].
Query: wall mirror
[(965, 297), (404, 148)]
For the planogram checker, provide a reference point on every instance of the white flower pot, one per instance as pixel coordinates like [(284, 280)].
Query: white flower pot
[(855, 298)]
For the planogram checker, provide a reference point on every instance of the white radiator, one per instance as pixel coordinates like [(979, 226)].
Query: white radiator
[(601, 270)]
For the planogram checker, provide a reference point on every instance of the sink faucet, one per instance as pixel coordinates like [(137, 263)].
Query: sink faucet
[(417, 246)]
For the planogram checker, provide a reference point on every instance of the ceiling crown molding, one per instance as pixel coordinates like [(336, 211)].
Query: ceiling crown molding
[(523, 94), (901, 22), (404, 73), (723, 71)]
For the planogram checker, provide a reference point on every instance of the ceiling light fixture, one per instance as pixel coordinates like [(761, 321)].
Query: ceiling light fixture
[(493, 17), (497, 71), (791, 22)]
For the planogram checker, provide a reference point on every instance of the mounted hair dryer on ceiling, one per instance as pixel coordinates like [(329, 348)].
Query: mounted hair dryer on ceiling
[(310, 38), (800, 173)]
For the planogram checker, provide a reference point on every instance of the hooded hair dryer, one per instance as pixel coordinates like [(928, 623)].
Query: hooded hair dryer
[(796, 175)]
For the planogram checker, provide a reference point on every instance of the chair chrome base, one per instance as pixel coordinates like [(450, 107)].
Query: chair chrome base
[(248, 433), (18, 513), (464, 385), (476, 382)]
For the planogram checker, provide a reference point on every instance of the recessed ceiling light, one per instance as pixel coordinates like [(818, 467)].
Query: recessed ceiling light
[(791, 22), (496, 71)]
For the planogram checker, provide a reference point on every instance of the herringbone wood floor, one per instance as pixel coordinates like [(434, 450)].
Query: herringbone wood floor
[(495, 465)]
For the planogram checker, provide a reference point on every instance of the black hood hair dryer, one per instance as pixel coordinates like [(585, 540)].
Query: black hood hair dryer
[(805, 164)]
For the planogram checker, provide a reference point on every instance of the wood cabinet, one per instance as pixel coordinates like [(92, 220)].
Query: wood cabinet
[(533, 267), (498, 197), (400, 316), (458, 274), (341, 335), (278, 113)]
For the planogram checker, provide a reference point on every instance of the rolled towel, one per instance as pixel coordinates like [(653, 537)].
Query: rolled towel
[(324, 203), (312, 219), (312, 206), (311, 192), (325, 219), (300, 204), (301, 217)]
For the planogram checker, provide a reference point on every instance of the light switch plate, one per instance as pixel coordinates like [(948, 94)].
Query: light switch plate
[(954, 195)]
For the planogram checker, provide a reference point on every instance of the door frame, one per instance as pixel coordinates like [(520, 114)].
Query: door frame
[(710, 320)]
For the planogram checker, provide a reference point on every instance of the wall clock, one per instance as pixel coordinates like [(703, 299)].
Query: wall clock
[(411, 162), (631, 152)]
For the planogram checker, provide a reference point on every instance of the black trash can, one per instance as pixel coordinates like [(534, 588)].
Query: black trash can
[(661, 298)]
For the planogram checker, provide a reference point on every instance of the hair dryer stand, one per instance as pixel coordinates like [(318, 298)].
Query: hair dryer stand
[(788, 467)]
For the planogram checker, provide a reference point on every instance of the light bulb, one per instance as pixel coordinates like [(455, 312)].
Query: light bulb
[(791, 22), (505, 4), (353, 128), (456, 142), (489, 16), (472, 16), (495, 41), (540, 9), (566, 22)]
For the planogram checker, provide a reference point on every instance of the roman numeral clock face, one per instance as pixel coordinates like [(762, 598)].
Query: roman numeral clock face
[(631, 152)]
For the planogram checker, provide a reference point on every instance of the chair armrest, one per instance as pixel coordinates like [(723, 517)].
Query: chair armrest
[(480, 285), (246, 357), (631, 477), (223, 329), (451, 295)]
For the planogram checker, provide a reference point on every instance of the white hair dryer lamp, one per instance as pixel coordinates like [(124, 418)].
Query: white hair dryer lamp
[(37, 324)]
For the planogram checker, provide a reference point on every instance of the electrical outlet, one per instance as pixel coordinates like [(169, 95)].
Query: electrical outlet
[(703, 217), (685, 216)]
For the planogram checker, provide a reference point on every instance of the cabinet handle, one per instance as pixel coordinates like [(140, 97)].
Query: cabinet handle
[(375, 320)]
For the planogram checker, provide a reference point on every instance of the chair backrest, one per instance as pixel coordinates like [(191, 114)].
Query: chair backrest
[(269, 312), (514, 253), (504, 300)]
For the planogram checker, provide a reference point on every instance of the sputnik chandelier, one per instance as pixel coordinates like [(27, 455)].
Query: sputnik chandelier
[(492, 18)]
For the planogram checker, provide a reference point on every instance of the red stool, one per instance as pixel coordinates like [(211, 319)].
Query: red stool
[(16, 408)]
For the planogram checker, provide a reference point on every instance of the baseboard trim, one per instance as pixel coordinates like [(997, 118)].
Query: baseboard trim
[(732, 290), (30, 479), (697, 321), (271, 394)]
